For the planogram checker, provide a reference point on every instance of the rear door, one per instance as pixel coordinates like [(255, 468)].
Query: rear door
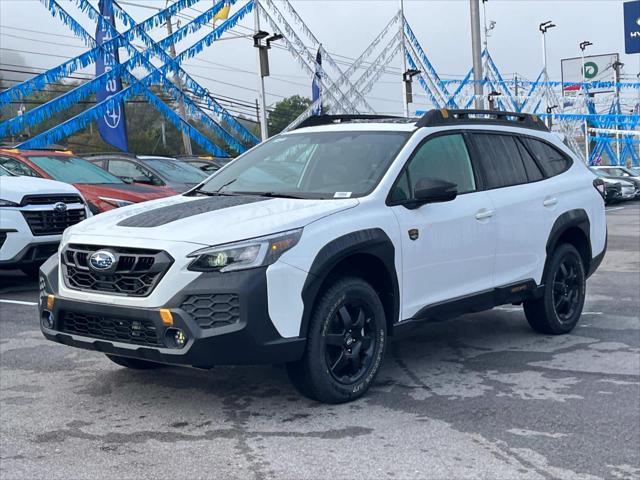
[(523, 206), (447, 248)]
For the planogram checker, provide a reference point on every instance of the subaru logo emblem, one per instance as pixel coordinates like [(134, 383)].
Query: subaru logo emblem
[(60, 207), (102, 260)]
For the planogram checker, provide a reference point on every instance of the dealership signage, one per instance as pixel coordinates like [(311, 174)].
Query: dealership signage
[(597, 68), (632, 27)]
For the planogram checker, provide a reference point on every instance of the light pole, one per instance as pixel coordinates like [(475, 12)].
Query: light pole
[(403, 52), (491, 98), (263, 71), (407, 79), (583, 46), (544, 27), (476, 53)]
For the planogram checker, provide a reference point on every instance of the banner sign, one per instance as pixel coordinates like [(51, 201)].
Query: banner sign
[(112, 125), (597, 68), (632, 27)]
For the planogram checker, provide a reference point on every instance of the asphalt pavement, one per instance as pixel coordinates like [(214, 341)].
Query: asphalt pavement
[(481, 396)]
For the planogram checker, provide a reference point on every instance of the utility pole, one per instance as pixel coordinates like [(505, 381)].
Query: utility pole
[(264, 128), (587, 152), (545, 75), (186, 140), (476, 53), (403, 51)]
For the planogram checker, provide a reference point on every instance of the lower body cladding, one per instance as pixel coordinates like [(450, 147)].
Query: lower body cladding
[(218, 319)]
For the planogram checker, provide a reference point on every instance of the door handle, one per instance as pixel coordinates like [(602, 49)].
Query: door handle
[(550, 202), (484, 213)]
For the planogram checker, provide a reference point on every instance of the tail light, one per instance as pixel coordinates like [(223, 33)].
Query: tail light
[(599, 185)]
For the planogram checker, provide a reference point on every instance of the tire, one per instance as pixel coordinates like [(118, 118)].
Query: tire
[(560, 307), (134, 363), (31, 271), (346, 342)]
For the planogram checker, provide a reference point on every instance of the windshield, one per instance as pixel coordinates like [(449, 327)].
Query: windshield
[(312, 165), (73, 170), (175, 170), (4, 173)]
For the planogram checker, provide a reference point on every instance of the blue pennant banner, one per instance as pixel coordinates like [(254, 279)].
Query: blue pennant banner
[(113, 124)]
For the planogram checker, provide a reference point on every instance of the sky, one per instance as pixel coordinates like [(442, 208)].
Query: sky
[(29, 35)]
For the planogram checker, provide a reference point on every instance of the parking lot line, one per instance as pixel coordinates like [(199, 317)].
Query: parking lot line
[(19, 302)]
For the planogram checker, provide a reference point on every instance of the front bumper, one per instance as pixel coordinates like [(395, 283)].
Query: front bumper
[(250, 339)]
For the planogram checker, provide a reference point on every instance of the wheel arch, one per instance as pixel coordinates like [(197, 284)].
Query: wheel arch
[(368, 254), (572, 227)]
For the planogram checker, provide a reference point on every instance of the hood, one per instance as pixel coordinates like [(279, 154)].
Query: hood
[(210, 220), (124, 191), (15, 188)]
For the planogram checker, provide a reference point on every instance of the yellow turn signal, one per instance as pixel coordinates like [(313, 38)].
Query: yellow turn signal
[(166, 316), (50, 301)]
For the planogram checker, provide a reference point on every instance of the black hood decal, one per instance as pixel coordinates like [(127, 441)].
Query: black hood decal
[(171, 213)]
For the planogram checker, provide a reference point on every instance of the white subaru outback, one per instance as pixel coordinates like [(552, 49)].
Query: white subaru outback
[(33, 214), (315, 246)]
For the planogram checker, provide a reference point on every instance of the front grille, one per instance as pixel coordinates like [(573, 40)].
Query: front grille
[(140, 332), (136, 273), (50, 222), (213, 310), (50, 199)]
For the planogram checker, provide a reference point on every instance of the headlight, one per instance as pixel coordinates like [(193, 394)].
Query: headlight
[(257, 252), (116, 202), (8, 203)]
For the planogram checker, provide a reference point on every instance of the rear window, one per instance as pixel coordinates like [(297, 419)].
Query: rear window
[(176, 170), (73, 170), (552, 160), (500, 160)]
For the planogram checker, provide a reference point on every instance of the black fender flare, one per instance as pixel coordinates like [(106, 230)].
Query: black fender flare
[(373, 242), (577, 218)]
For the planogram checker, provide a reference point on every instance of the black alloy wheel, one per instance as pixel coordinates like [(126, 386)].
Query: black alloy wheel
[(566, 288), (350, 342)]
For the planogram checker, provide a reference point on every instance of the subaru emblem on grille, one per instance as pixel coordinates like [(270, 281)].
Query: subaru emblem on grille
[(60, 207), (102, 260)]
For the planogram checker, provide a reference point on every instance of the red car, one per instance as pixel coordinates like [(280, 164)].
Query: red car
[(102, 190)]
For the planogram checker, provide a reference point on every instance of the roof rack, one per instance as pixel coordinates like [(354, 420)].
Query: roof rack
[(434, 118), (317, 120)]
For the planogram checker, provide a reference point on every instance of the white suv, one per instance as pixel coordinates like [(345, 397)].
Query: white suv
[(316, 245), (33, 214)]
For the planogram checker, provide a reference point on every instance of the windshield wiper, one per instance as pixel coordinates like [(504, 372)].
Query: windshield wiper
[(277, 195), (218, 192)]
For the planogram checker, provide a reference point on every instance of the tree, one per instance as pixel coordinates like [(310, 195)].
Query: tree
[(285, 112)]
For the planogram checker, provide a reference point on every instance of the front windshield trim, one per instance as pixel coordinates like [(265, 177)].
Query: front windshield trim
[(405, 136)]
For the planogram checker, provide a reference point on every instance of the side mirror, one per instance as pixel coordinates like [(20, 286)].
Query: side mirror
[(126, 179), (142, 179), (432, 190)]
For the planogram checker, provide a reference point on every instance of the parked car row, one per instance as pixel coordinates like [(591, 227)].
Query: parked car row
[(42, 192), (621, 183)]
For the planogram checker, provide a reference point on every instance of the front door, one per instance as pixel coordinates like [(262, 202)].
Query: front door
[(448, 248)]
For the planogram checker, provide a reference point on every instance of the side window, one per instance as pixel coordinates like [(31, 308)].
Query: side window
[(17, 168), (500, 160), (552, 161), (126, 169), (533, 171), (445, 158)]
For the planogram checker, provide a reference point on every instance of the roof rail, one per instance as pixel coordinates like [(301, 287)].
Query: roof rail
[(100, 154), (442, 117), (317, 120)]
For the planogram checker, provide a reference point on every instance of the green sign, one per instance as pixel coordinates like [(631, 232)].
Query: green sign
[(590, 70)]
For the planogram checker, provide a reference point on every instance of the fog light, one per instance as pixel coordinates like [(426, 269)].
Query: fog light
[(180, 338), (175, 337), (47, 320)]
